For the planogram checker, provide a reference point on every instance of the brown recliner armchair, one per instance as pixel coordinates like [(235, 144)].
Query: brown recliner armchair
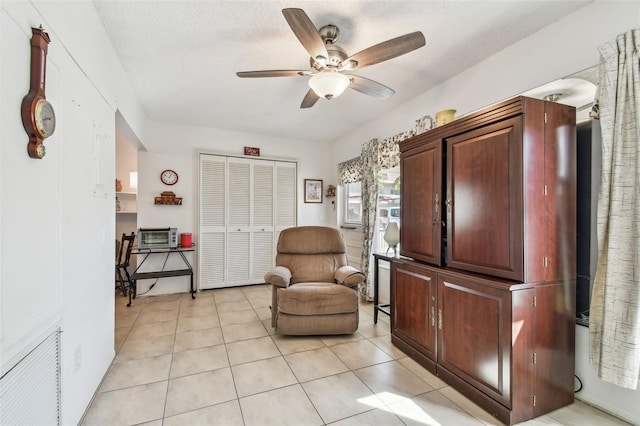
[(315, 292)]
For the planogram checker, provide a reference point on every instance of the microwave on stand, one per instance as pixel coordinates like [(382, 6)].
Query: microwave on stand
[(154, 238)]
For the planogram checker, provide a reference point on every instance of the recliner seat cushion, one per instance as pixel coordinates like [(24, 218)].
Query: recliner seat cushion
[(317, 298)]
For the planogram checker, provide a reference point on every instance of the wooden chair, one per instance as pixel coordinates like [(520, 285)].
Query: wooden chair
[(123, 261)]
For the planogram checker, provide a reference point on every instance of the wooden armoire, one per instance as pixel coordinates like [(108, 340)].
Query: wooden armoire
[(483, 294)]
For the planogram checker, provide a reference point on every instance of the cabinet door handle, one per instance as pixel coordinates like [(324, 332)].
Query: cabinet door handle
[(433, 316), (435, 205), (440, 319)]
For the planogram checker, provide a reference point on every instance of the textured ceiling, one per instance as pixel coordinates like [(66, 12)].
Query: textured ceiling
[(182, 56)]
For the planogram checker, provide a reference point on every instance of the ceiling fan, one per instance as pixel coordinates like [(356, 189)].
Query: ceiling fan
[(329, 62)]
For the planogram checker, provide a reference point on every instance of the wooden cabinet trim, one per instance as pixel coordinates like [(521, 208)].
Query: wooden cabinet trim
[(488, 115)]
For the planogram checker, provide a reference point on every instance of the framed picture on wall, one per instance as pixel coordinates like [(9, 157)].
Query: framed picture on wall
[(312, 191)]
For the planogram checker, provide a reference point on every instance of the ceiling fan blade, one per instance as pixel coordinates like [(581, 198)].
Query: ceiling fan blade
[(388, 49), (272, 73), (370, 87), (310, 99), (306, 32)]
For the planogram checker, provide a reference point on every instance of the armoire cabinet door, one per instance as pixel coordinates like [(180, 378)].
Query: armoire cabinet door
[(414, 301), (484, 200), (421, 203), (474, 334)]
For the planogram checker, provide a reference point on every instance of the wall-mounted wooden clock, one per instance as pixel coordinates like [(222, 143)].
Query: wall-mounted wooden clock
[(38, 116)]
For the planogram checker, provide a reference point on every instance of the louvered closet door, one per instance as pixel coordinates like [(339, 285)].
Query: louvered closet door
[(285, 196), (213, 230), (244, 203), (239, 221), (263, 219)]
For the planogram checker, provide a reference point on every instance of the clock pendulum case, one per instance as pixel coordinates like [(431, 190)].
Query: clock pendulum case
[(38, 116)]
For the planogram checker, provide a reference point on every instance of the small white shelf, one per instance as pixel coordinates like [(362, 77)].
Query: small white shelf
[(128, 202)]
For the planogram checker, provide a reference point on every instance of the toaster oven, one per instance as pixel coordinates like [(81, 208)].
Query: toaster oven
[(152, 238)]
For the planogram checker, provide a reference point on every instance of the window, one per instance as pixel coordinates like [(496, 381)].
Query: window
[(388, 204), (352, 203)]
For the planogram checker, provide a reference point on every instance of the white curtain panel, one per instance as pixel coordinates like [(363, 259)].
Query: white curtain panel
[(615, 303)]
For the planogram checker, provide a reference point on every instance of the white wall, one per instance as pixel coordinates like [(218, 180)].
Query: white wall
[(561, 49), (57, 245)]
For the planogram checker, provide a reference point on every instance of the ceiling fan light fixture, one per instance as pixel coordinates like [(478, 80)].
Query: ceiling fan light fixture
[(329, 84)]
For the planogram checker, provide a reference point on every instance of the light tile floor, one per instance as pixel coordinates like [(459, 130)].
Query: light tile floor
[(215, 361)]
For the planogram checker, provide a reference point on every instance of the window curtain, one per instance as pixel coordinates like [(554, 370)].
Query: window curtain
[(370, 161), (350, 171), (615, 302), (375, 156)]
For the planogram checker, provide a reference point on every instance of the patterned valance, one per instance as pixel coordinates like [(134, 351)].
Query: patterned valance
[(350, 171), (388, 152)]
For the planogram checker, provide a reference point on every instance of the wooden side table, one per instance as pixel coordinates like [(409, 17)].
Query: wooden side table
[(386, 308)]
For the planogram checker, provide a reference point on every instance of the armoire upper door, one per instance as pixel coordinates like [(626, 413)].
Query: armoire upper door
[(484, 200), (421, 202)]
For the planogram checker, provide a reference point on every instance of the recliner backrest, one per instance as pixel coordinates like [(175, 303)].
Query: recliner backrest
[(312, 253)]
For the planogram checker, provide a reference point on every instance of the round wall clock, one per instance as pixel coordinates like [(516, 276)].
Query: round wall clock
[(169, 177), (38, 116)]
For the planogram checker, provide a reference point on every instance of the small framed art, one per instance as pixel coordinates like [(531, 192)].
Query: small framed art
[(313, 191)]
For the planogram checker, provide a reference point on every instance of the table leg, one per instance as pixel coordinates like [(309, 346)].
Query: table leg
[(375, 289)]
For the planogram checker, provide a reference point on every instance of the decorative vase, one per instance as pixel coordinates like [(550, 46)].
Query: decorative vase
[(445, 116), (118, 185), (392, 236)]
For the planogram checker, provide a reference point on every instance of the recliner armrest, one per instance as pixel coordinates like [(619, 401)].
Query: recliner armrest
[(279, 276), (349, 276)]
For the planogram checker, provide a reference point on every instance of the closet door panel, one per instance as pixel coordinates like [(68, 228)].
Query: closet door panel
[(263, 194), (238, 257), (285, 196), (263, 255), (239, 221), (239, 202), (213, 218), (212, 260)]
